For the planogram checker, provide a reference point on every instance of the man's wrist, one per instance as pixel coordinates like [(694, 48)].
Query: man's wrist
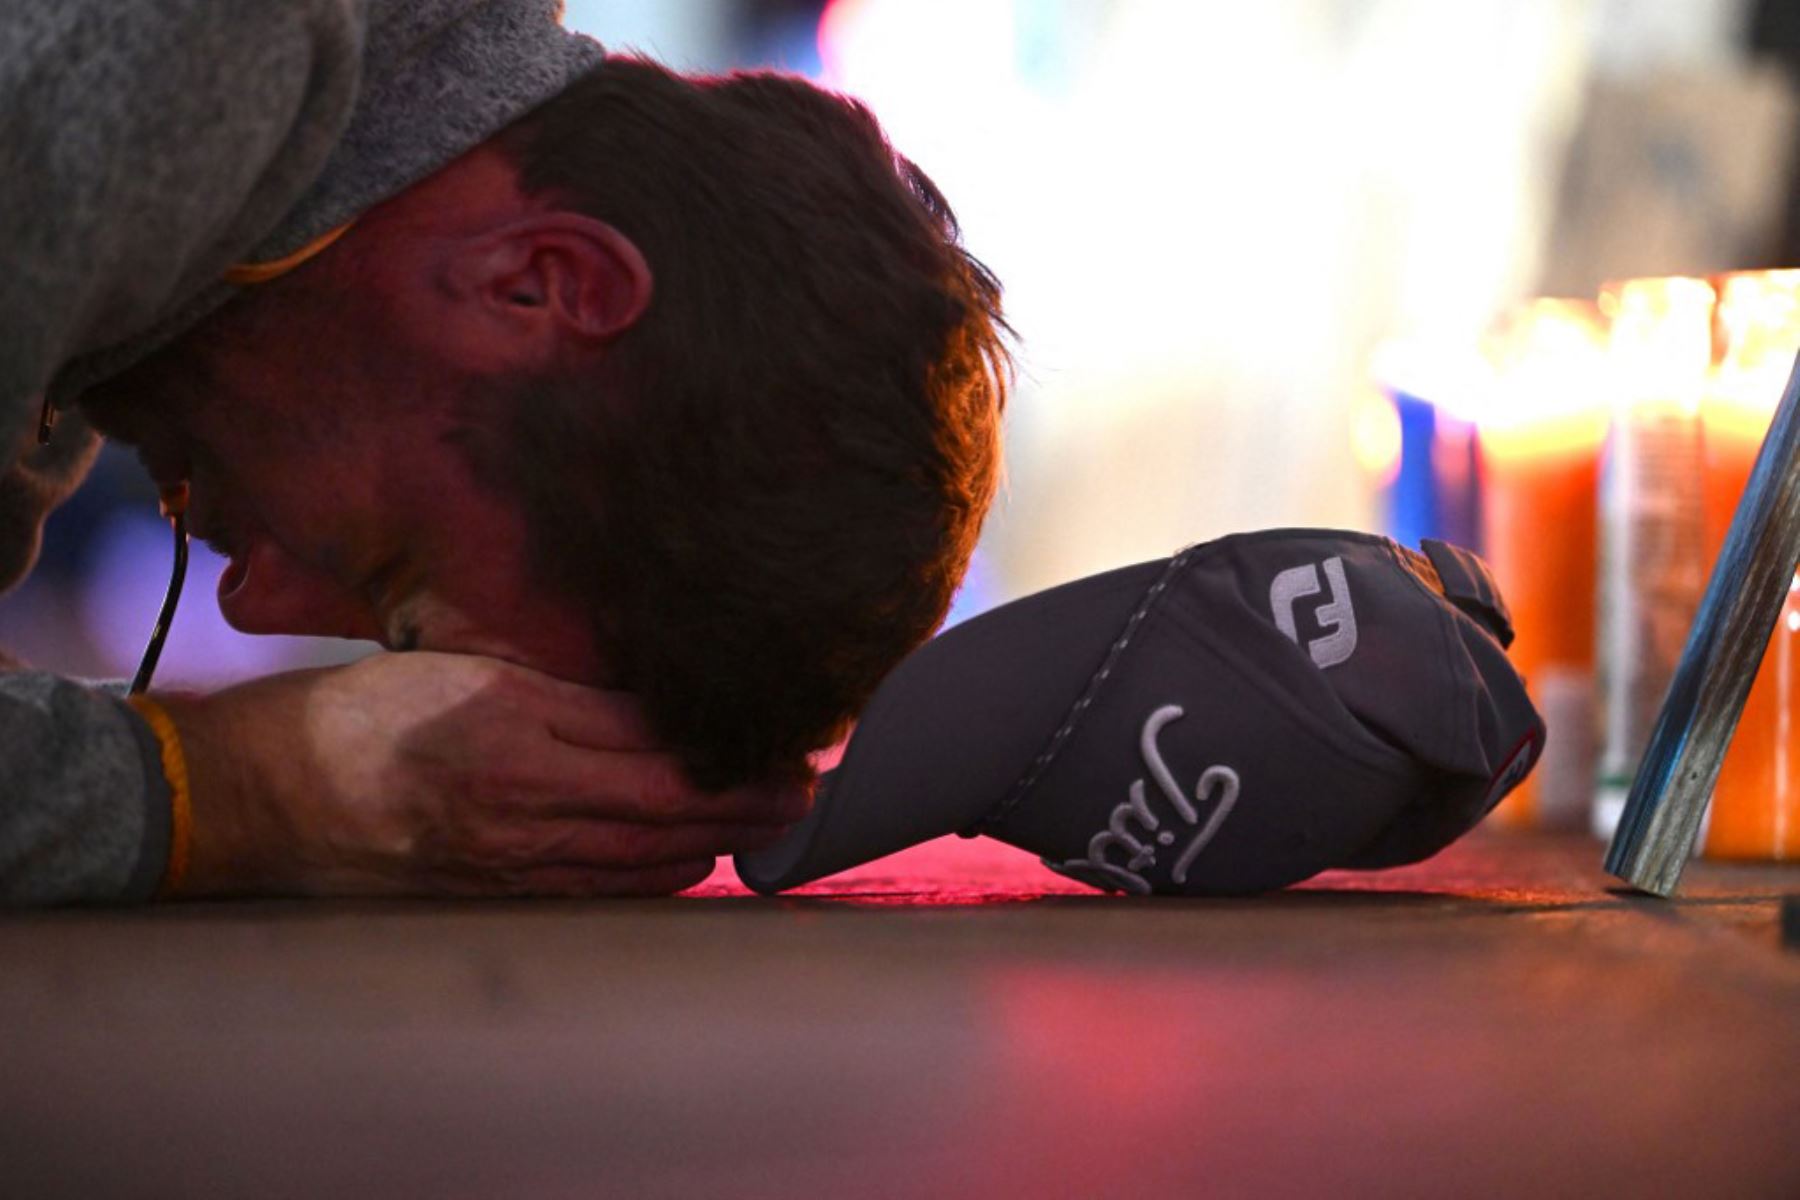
[(238, 837)]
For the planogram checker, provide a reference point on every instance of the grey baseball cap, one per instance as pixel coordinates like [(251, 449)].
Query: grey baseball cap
[(1233, 719)]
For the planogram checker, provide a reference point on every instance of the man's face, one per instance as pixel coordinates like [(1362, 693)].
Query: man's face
[(315, 419)]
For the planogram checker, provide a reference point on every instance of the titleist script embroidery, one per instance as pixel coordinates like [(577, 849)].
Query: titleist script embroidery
[(1218, 784), (1335, 615)]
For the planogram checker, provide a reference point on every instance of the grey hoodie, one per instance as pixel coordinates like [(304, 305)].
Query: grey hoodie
[(145, 147)]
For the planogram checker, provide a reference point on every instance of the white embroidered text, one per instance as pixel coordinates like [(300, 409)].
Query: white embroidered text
[(1136, 833)]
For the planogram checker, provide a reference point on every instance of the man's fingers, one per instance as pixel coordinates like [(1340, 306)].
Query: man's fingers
[(597, 720), (646, 788), (575, 881), (602, 759)]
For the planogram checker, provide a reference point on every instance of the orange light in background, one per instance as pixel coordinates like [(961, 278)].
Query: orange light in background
[(1756, 802), (1540, 431), (1375, 436)]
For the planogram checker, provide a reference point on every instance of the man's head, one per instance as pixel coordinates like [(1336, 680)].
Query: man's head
[(683, 386)]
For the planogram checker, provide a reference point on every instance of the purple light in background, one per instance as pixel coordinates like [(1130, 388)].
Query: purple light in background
[(980, 591), (131, 560)]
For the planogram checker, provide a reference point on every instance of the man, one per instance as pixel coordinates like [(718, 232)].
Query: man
[(679, 388)]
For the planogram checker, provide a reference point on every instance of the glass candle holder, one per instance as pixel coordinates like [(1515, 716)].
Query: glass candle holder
[(1652, 557), (1756, 801), (1540, 436)]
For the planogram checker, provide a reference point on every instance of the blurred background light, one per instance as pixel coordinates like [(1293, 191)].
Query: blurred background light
[(1206, 217)]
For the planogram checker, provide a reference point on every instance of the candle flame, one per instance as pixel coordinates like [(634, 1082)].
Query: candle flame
[(1661, 339), (1548, 360), (1759, 323)]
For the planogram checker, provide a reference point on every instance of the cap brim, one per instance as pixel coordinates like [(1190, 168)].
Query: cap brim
[(954, 727)]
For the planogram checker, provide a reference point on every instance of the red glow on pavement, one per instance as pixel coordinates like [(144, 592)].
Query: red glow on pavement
[(950, 870), (1137, 1043), (971, 871)]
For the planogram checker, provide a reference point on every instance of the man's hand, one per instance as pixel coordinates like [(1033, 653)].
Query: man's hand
[(442, 774)]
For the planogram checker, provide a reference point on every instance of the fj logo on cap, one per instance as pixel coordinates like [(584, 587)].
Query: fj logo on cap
[(1336, 615), (1218, 784)]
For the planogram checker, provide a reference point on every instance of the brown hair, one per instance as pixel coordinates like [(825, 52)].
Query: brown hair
[(771, 487)]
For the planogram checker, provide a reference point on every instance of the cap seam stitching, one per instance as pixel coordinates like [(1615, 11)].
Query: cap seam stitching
[(1057, 740)]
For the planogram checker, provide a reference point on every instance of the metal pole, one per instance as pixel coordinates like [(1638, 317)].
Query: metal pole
[(1724, 648)]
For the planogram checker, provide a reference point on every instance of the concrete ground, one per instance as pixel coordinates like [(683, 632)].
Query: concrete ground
[(954, 1022)]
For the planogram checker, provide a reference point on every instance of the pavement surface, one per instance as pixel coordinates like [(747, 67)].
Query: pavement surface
[(953, 1022)]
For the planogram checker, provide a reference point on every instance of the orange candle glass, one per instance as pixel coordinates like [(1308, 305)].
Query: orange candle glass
[(1540, 436), (1756, 802)]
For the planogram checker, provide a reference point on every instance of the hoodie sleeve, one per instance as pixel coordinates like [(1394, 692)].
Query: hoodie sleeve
[(84, 809)]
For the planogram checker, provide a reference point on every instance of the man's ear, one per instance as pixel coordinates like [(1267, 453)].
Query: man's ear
[(547, 283)]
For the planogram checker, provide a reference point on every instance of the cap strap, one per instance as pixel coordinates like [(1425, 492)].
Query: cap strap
[(994, 816), (1470, 586)]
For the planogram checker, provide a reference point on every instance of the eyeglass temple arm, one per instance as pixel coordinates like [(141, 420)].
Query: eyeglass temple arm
[(174, 507)]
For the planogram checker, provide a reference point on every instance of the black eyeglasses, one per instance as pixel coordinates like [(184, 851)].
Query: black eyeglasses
[(174, 507)]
